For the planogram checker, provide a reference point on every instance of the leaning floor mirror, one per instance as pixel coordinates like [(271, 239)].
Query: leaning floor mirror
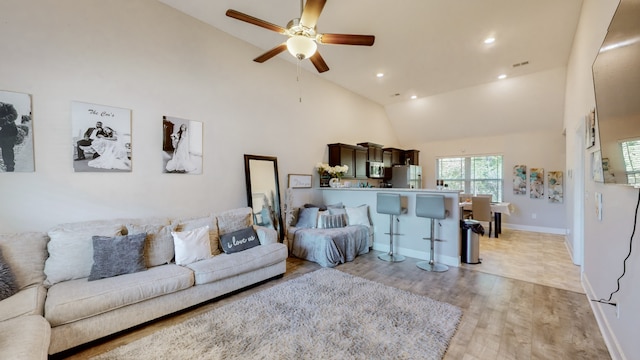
[(263, 191)]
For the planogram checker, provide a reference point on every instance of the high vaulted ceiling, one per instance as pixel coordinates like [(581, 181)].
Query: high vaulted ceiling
[(423, 47)]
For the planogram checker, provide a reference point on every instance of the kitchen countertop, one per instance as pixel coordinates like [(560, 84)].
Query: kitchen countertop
[(389, 189)]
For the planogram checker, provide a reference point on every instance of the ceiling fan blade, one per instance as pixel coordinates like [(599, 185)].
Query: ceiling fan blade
[(318, 62), (311, 13), (271, 53), (346, 39), (255, 21)]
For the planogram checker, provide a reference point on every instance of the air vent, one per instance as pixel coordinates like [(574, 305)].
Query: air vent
[(520, 64)]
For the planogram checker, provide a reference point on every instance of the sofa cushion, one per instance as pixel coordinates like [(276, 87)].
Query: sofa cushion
[(25, 338), (78, 299), (8, 283), (28, 301), (159, 243), (113, 256), (358, 215), (228, 265), (232, 220), (328, 221), (239, 240), (71, 250), (25, 253), (194, 223), (192, 245)]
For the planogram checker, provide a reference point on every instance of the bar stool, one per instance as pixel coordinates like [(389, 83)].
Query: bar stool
[(432, 207), (390, 204)]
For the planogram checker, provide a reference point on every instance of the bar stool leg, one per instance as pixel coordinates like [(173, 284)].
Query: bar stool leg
[(431, 265), (390, 256)]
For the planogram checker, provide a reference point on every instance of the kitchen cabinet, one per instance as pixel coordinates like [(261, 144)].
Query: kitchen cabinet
[(412, 157), (386, 158), (374, 151), (396, 156), (355, 157)]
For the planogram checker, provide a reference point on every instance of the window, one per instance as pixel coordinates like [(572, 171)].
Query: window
[(473, 175), (631, 157)]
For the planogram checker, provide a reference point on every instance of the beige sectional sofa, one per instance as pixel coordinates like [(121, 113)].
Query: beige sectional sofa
[(61, 309)]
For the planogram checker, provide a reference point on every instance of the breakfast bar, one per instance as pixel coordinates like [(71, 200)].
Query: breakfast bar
[(413, 229)]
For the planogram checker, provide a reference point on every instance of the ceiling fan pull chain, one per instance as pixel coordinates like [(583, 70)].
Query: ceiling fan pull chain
[(298, 81)]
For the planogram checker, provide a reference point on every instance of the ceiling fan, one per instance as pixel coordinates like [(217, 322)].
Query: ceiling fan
[(302, 35)]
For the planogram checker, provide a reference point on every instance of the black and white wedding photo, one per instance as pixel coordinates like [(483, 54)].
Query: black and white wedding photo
[(101, 138), (181, 146), (16, 132)]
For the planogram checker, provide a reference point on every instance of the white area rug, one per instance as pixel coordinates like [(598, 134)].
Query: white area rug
[(326, 314)]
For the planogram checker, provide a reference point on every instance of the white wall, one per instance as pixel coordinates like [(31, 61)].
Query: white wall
[(147, 57), (537, 98), (606, 242)]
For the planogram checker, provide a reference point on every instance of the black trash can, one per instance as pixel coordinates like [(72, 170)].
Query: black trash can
[(471, 229)]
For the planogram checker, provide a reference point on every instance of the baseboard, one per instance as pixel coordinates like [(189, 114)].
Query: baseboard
[(605, 329), (416, 254), (539, 229)]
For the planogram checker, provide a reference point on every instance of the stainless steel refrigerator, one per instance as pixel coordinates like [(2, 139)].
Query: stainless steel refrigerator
[(406, 176)]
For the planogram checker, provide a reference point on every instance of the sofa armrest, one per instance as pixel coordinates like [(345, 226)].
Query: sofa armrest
[(266, 235)]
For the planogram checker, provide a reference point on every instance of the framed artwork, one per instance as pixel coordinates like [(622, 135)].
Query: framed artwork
[(520, 180), (299, 181), (181, 146), (590, 128), (101, 138), (16, 133), (554, 179), (536, 183)]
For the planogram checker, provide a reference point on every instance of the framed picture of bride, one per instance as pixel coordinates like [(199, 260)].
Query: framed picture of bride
[(101, 138), (181, 146)]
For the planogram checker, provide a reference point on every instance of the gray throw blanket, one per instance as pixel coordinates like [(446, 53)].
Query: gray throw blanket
[(330, 247)]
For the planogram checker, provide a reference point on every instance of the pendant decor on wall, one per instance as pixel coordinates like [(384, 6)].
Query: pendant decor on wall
[(16, 132), (520, 180), (181, 146), (554, 181), (101, 138), (536, 183)]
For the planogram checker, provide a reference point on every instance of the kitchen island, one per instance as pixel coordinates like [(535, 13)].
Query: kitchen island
[(412, 228)]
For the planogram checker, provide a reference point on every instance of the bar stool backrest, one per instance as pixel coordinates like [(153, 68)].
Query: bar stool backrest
[(430, 206), (387, 203)]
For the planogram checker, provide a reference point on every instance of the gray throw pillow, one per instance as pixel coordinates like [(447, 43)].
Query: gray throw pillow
[(307, 218), (118, 255), (331, 221), (8, 285), (239, 240)]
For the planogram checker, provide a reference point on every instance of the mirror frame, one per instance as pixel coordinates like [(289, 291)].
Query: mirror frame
[(247, 174)]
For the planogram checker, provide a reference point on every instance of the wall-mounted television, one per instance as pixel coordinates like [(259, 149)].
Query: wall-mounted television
[(616, 79)]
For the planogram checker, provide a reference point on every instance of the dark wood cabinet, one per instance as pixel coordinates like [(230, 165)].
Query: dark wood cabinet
[(396, 156), (374, 151), (386, 158), (412, 157), (355, 157)]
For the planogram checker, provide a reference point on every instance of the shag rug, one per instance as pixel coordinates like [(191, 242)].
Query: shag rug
[(325, 314)]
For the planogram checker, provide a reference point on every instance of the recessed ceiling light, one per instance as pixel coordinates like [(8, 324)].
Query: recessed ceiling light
[(379, 75), (413, 97), (489, 40), (502, 76)]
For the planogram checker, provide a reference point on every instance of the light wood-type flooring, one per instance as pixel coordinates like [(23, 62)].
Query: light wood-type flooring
[(524, 313)]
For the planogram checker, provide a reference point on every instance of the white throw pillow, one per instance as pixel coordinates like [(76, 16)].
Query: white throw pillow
[(358, 215), (191, 246), (71, 251)]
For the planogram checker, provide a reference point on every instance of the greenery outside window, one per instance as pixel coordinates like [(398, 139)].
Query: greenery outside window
[(472, 174)]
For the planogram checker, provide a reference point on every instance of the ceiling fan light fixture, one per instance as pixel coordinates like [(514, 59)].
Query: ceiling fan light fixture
[(301, 47)]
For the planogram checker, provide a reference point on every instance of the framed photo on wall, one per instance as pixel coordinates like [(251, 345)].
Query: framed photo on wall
[(299, 181), (16, 133), (101, 138), (181, 146)]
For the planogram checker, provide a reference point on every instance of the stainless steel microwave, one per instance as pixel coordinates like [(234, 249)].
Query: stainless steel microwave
[(375, 169)]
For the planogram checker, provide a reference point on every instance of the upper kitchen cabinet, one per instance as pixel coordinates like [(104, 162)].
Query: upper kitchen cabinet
[(393, 156), (355, 157), (412, 157), (374, 151)]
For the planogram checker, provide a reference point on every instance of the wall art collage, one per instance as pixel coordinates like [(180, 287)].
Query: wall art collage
[(536, 183), (101, 138)]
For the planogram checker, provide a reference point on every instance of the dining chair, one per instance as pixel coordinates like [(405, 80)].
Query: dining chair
[(481, 210)]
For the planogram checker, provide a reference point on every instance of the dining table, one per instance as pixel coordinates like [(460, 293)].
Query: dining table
[(497, 208)]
